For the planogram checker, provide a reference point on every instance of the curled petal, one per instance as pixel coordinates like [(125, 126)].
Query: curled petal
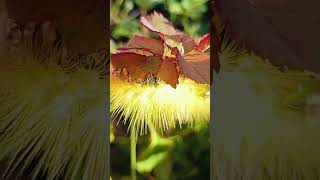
[(204, 43)]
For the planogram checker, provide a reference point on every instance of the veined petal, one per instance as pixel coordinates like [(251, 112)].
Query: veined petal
[(141, 51), (155, 46), (172, 37), (138, 66), (168, 72), (195, 65), (158, 24)]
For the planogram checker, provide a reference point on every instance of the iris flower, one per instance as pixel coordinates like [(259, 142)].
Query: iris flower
[(161, 82)]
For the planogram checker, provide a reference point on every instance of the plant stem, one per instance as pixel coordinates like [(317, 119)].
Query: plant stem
[(133, 155)]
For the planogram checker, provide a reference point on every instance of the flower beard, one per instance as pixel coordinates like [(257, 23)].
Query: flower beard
[(159, 104)]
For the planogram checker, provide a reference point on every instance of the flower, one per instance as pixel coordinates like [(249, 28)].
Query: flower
[(161, 81)]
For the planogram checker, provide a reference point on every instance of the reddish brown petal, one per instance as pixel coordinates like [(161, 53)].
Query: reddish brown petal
[(138, 66), (195, 65), (172, 37), (158, 24), (204, 43), (187, 43), (141, 51), (155, 46), (168, 72), (152, 64)]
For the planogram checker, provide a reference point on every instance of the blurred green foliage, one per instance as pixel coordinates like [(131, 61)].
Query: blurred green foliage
[(184, 153), (190, 16)]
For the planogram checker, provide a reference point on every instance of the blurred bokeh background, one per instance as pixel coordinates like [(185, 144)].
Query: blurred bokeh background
[(183, 153), (192, 17)]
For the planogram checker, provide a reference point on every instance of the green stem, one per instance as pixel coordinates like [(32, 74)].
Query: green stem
[(133, 155)]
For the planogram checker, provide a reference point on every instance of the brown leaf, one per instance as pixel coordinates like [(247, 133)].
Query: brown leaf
[(138, 66), (285, 31), (168, 72)]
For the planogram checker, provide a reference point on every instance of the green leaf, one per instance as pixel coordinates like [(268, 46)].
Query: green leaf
[(147, 4), (152, 161), (155, 153), (125, 28)]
